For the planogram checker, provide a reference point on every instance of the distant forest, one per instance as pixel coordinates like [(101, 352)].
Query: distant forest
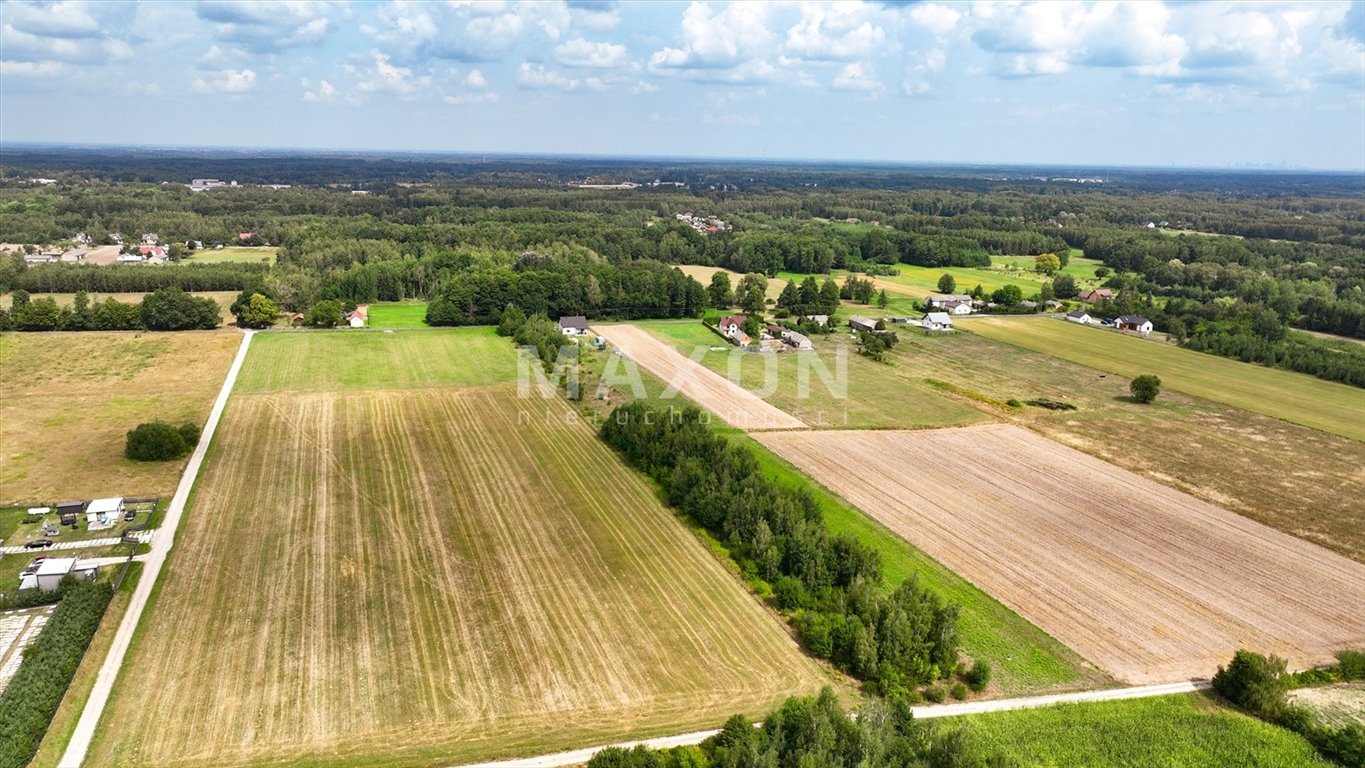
[(1226, 262)]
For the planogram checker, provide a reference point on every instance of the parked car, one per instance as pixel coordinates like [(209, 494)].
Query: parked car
[(38, 544), (129, 516)]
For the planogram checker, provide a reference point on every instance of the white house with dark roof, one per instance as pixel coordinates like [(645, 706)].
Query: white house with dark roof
[(573, 325), (1079, 316), (1136, 323)]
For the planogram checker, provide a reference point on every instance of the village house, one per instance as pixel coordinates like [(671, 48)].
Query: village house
[(1097, 295), (151, 238), (732, 328), (359, 317), (820, 320), (82, 238), (858, 324), (43, 257), (50, 572), (942, 301), (1080, 316), (129, 258), (103, 513), (796, 340), (1136, 323), (937, 321), (573, 325)]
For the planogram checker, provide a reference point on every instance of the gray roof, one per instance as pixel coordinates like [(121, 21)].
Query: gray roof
[(577, 322), (1133, 320), (1077, 313)]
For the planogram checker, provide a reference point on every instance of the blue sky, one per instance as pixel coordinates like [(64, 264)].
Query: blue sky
[(1144, 83)]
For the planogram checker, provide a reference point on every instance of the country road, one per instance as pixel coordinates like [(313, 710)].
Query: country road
[(581, 756), (161, 547)]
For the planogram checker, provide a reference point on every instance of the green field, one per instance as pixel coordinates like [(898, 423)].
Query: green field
[(1025, 658), (1294, 397), (1189, 731), (878, 395), (398, 314), (233, 254), (353, 359), (420, 568)]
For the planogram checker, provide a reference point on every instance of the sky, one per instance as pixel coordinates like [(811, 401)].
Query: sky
[(1207, 84)]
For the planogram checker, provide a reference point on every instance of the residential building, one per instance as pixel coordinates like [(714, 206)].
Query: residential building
[(937, 321), (1097, 295), (573, 325), (1136, 323), (1080, 316)]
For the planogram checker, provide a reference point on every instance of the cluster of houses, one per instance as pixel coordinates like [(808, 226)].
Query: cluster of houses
[(702, 224), (1135, 323), (732, 328)]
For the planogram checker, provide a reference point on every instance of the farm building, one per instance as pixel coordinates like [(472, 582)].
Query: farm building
[(822, 320), (1097, 295), (573, 325), (103, 513), (51, 571), (941, 301), (1134, 323), (937, 321), (1080, 316), (858, 324), (360, 317), (795, 340)]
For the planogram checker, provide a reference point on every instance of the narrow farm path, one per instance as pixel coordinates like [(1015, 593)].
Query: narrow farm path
[(581, 756), (161, 547)]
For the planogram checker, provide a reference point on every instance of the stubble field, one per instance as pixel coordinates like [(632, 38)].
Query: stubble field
[(68, 399), (1149, 583), (428, 571)]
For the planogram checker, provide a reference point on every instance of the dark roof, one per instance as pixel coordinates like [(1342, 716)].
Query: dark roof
[(1077, 313), (1133, 320), (577, 322)]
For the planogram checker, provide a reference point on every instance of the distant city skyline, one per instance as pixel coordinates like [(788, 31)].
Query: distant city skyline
[(1108, 84)]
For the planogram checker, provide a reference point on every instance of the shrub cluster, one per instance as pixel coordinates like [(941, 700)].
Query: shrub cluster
[(817, 732), (159, 441), (829, 584), (167, 309), (31, 698)]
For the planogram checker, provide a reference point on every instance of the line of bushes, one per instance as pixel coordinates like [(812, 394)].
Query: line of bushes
[(815, 731), (31, 698), (166, 309), (1260, 685), (830, 587)]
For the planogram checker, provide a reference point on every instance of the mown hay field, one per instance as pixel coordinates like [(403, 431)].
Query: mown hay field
[(1190, 731), (1295, 397), (426, 570), (67, 400), (1149, 583)]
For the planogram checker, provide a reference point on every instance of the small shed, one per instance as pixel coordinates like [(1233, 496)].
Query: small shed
[(52, 570), (573, 325), (68, 510)]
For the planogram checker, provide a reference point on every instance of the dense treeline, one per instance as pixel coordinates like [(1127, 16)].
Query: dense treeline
[(167, 309), (830, 584), (135, 278), (816, 733), (31, 698), (557, 287)]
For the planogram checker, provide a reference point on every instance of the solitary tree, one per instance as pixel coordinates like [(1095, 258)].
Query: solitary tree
[(259, 312), (1145, 388), (719, 291), (1047, 263), (946, 284), (883, 299)]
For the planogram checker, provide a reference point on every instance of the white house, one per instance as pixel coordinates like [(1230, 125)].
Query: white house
[(941, 301), (937, 321), (359, 317), (103, 513), (958, 307), (1080, 316), (52, 570), (573, 325), (1134, 323), (151, 238), (732, 328)]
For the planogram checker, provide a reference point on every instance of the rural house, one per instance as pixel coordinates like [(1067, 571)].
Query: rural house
[(732, 327), (858, 324), (103, 513), (1080, 316), (821, 320), (1134, 323), (1097, 295), (952, 302), (360, 317), (795, 340), (51, 571), (573, 325), (937, 321)]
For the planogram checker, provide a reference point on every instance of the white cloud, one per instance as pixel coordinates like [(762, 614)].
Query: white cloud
[(325, 91), (854, 77), (31, 68), (225, 81), (387, 77), (270, 27), (589, 55), (464, 31), (596, 16), (475, 79), (537, 76), (472, 98), (719, 47), (938, 19), (835, 32)]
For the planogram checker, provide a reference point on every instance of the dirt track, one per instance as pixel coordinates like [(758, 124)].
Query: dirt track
[(1149, 583), (735, 405)]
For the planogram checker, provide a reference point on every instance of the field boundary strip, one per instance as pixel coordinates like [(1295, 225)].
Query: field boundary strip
[(923, 712), (79, 745)]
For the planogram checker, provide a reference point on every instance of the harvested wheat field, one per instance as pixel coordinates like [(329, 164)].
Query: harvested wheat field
[(1149, 583), (430, 576), (68, 399), (734, 405)]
